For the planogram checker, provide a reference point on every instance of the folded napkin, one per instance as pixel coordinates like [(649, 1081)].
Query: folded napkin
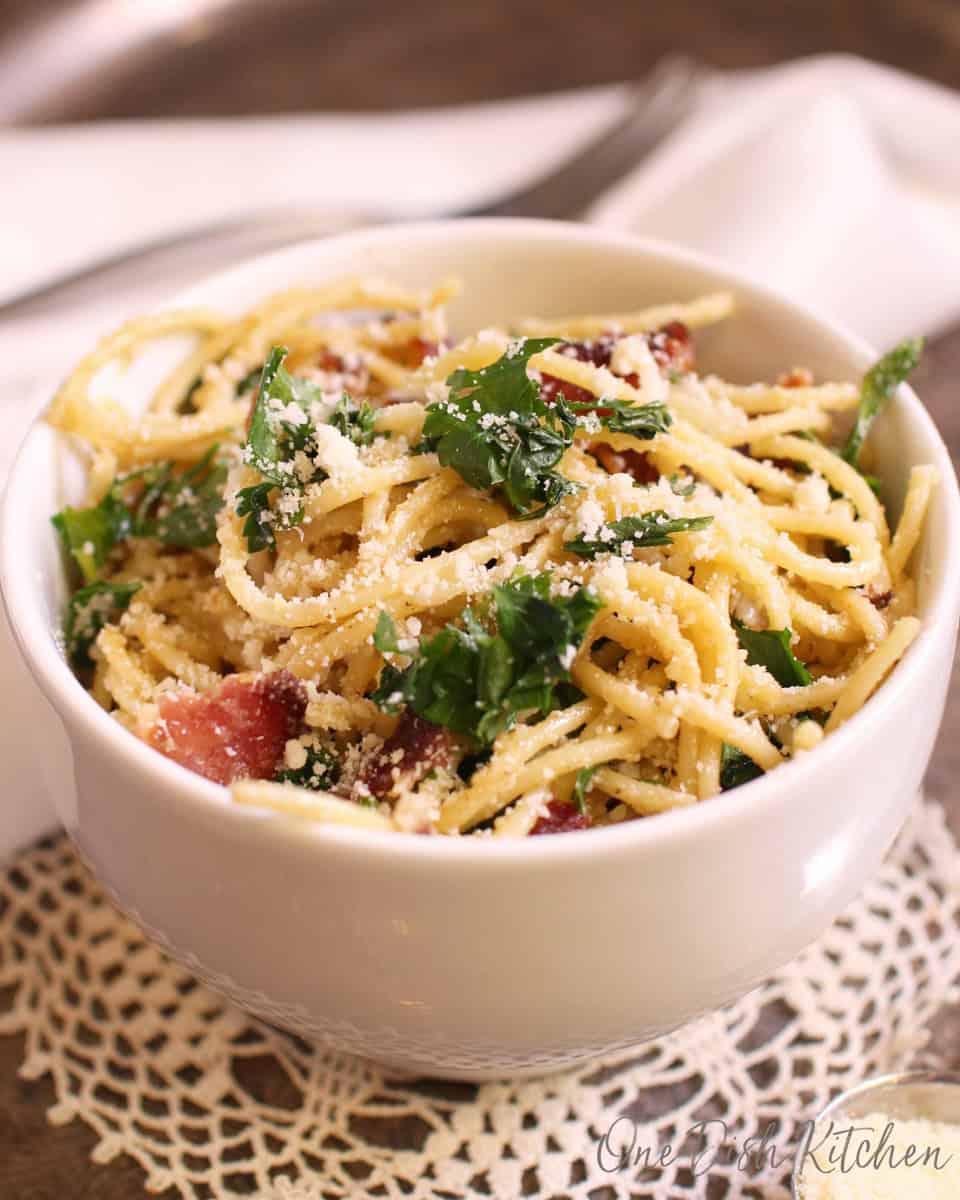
[(833, 179)]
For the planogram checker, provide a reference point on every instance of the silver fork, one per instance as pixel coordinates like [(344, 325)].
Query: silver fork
[(657, 104)]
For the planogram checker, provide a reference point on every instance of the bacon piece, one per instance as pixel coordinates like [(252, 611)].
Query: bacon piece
[(599, 351), (412, 353), (671, 347), (629, 462), (414, 749), (561, 818), (796, 378), (879, 600), (236, 732)]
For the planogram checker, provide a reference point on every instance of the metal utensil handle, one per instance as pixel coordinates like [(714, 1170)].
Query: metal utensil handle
[(657, 105)]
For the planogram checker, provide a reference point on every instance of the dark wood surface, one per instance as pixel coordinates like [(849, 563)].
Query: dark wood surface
[(288, 55), (369, 54)]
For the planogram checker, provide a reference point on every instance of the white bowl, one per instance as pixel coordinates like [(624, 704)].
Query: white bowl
[(466, 957)]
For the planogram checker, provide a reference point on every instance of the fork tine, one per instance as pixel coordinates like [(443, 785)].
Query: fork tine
[(656, 105)]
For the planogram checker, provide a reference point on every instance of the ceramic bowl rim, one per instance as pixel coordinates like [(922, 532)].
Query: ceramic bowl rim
[(191, 794)]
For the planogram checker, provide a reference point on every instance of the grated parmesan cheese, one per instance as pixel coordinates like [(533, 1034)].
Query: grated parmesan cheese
[(813, 494), (632, 356), (336, 454)]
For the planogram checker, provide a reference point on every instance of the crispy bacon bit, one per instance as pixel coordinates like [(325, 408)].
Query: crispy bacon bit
[(329, 361), (599, 352), (561, 818), (879, 599), (629, 462), (796, 378), (237, 732), (671, 346), (414, 749), (412, 353)]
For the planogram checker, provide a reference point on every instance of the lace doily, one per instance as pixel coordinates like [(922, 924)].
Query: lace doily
[(215, 1104)]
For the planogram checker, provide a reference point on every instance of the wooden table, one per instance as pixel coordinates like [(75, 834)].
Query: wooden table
[(371, 54)]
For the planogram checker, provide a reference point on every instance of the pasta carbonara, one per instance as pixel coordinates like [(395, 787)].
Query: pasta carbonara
[(540, 579)]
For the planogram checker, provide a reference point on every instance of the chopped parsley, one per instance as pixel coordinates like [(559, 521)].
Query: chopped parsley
[(497, 432), (770, 648), (736, 768), (682, 485), (282, 447), (319, 773), (89, 534), (385, 635), (622, 416), (510, 657), (89, 610), (878, 385), (354, 421), (177, 508), (249, 381), (254, 503), (181, 509), (280, 424), (634, 533), (582, 786)]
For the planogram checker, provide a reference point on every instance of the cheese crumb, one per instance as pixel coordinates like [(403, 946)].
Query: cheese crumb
[(294, 755), (813, 494), (336, 454), (633, 356)]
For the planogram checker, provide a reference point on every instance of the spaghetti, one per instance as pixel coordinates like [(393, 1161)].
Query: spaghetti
[(537, 580)]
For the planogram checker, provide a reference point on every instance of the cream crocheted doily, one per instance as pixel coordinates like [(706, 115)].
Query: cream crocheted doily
[(162, 1069)]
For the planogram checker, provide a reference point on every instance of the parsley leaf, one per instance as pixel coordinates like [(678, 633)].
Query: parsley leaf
[(649, 529), (682, 485), (176, 509), (878, 385), (385, 635), (621, 416), (186, 505), (280, 428), (254, 503), (770, 648), (319, 773), (89, 534), (282, 446), (249, 381), (496, 431), (582, 786), (512, 658), (280, 424), (354, 421), (736, 768), (89, 610)]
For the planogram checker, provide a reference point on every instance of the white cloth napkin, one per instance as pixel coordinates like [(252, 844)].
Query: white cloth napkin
[(833, 179)]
